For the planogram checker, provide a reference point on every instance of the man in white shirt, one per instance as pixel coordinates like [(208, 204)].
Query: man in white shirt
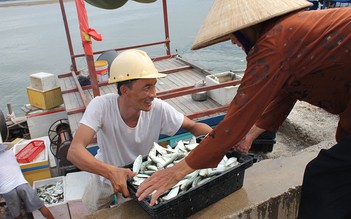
[(126, 125)]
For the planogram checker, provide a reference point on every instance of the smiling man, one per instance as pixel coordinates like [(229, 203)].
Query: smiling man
[(126, 125)]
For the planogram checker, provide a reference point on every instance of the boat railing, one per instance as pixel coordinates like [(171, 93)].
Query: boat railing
[(334, 3)]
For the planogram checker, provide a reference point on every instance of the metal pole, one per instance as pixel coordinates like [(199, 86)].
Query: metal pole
[(165, 19), (92, 75), (68, 36), (9, 108)]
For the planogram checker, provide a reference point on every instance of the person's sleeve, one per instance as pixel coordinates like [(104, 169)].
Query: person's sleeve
[(93, 114), (172, 119), (276, 112), (264, 79)]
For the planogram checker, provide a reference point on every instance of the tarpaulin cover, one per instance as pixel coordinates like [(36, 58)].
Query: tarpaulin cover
[(107, 4), (113, 4)]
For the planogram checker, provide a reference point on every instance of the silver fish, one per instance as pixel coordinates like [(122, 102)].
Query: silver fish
[(137, 164)]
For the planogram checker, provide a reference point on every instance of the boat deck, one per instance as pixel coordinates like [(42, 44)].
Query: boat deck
[(175, 89)]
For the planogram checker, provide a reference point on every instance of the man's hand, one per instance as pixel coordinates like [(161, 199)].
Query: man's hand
[(162, 180), (118, 177)]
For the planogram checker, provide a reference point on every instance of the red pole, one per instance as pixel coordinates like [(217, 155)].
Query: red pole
[(92, 75), (165, 19), (68, 36), (86, 34)]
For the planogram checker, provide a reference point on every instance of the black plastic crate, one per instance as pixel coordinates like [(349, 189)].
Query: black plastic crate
[(264, 143), (195, 199)]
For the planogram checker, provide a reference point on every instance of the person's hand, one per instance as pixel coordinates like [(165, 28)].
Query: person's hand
[(162, 180), (118, 177), (245, 144)]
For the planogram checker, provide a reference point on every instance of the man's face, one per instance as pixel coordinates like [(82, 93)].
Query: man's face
[(142, 93)]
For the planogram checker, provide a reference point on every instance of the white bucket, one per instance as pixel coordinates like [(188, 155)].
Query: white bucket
[(101, 68)]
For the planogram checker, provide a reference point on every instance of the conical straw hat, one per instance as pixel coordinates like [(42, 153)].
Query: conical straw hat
[(227, 16)]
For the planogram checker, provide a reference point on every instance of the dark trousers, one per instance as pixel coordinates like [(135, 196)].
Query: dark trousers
[(326, 187)]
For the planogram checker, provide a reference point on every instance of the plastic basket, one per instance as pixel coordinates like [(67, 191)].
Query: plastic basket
[(30, 151), (197, 198), (264, 143)]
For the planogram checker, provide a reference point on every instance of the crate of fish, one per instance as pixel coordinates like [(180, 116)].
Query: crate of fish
[(197, 190), (51, 191)]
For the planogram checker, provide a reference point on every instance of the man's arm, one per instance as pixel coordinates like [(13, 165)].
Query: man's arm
[(84, 160), (196, 128)]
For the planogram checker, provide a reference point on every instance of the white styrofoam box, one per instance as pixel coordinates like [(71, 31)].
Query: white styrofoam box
[(58, 211), (39, 121), (52, 181), (75, 185), (43, 81), (223, 95)]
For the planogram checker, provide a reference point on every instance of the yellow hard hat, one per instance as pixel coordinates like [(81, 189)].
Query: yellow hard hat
[(132, 64)]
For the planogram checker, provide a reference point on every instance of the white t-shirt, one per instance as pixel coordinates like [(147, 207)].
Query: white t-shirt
[(10, 172), (120, 144)]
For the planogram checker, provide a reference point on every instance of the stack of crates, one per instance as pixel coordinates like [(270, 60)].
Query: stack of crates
[(43, 91)]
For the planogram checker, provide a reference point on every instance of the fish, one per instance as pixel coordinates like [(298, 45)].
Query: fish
[(160, 157), (171, 194), (51, 193), (137, 163)]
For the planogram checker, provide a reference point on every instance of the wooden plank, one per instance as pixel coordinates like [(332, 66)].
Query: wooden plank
[(89, 94), (172, 102), (68, 83), (113, 88), (103, 90), (69, 101), (74, 120)]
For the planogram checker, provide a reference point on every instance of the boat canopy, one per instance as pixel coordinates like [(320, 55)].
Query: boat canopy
[(113, 4)]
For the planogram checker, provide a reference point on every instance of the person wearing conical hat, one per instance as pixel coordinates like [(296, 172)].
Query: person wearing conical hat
[(292, 54)]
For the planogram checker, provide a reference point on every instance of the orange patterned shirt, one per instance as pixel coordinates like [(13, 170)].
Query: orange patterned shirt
[(303, 56)]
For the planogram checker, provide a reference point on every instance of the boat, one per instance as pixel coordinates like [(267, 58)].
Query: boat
[(182, 88)]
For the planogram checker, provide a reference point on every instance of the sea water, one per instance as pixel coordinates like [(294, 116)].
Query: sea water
[(33, 39)]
